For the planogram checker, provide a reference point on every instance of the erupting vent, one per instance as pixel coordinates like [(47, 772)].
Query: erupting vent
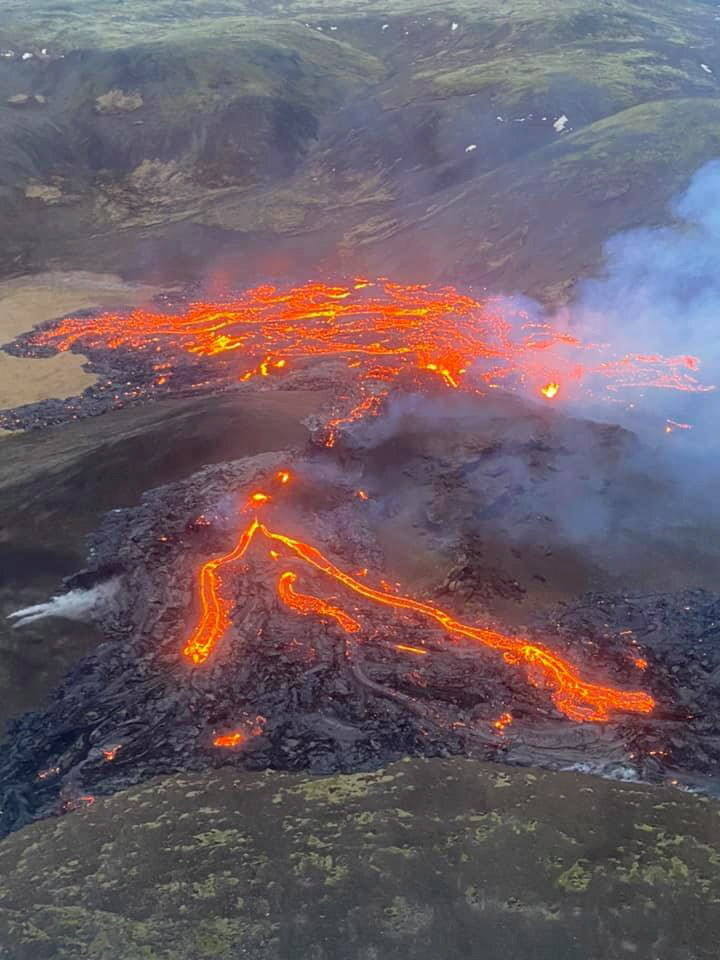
[(330, 667)]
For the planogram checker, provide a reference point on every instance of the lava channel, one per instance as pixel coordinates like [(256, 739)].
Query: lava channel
[(381, 331), (578, 699)]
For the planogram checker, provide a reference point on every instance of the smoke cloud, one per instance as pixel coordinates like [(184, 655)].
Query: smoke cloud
[(80, 605), (660, 293), (629, 505)]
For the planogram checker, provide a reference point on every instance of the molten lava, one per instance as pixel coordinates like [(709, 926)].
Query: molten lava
[(239, 737), (380, 331), (576, 698), (550, 390), (234, 739), (304, 604), (406, 648), (504, 720)]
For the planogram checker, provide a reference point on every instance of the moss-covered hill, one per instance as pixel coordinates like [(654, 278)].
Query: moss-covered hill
[(485, 141), (436, 860)]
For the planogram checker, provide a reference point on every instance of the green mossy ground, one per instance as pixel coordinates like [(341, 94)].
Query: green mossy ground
[(450, 859), (618, 77), (335, 129)]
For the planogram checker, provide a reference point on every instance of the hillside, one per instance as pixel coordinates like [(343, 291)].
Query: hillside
[(175, 139), (443, 858)]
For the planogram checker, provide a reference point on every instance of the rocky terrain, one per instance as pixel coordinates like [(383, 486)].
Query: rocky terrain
[(316, 699), (494, 144), (44, 520), (442, 858), (215, 144)]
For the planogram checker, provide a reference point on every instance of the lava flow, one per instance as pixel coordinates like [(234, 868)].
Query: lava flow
[(579, 700), (381, 331)]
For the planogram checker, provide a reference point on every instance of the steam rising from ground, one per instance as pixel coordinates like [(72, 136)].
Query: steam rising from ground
[(660, 293), (661, 289), (80, 605)]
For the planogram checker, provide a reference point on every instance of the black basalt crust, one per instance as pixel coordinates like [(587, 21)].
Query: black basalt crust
[(316, 699)]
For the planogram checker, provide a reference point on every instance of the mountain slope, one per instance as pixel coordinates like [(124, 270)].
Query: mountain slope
[(414, 139)]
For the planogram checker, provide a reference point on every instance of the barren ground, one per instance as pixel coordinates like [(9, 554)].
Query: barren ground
[(31, 300)]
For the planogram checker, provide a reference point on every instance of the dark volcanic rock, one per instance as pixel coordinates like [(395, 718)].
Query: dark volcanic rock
[(56, 483), (309, 696), (441, 859)]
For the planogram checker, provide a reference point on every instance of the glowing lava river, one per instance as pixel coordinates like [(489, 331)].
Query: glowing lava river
[(577, 699), (380, 333), (440, 332), (264, 636)]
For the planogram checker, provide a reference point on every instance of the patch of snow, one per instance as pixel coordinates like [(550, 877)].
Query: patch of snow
[(560, 123), (470, 147), (706, 68)]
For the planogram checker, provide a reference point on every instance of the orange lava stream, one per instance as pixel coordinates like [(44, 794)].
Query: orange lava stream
[(576, 698), (234, 739), (380, 330), (215, 616), (406, 648), (305, 604)]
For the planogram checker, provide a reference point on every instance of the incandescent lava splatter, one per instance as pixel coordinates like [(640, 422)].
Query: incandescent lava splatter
[(550, 390), (504, 720)]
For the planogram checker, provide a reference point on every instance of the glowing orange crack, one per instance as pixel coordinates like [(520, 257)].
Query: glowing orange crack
[(576, 698), (437, 330), (407, 648), (305, 604), (234, 739)]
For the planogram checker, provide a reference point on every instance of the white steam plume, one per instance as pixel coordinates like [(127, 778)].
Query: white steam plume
[(76, 605)]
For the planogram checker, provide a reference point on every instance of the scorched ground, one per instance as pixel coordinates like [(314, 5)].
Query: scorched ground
[(257, 614)]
